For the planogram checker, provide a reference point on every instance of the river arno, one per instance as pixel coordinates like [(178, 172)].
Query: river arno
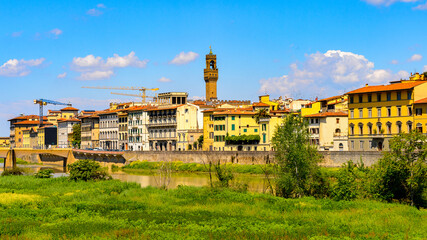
[(151, 178)]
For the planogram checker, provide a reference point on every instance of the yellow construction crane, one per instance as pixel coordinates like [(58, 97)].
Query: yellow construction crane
[(143, 95)]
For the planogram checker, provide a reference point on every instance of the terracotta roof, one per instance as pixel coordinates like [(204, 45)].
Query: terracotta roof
[(69, 120), (164, 108), (390, 87), (330, 98), (69, 109), (53, 111), (424, 100), (234, 112), (32, 123), (328, 114), (24, 117), (260, 104)]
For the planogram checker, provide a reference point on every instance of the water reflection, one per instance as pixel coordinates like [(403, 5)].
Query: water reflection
[(255, 182)]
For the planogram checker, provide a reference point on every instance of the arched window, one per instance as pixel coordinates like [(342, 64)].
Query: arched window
[(338, 130), (409, 125), (212, 64), (399, 126), (341, 147)]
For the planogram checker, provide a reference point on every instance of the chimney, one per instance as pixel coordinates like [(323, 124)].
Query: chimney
[(366, 85)]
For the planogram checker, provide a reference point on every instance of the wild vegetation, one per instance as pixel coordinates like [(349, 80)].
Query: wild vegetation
[(56, 208)]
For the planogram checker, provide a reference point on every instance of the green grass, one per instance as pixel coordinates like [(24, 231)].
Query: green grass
[(197, 167), (57, 208)]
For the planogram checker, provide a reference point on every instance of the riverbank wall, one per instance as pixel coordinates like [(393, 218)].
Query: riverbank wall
[(330, 158)]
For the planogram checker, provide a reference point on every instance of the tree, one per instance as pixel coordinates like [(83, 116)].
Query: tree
[(76, 135), (402, 173), (261, 113), (295, 158), (200, 142)]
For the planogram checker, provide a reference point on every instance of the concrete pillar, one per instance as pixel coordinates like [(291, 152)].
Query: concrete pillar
[(10, 160)]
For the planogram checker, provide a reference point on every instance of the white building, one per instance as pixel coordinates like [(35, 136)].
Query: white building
[(109, 130), (138, 129), (329, 130), (65, 127)]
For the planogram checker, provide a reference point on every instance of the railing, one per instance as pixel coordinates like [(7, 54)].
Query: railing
[(162, 124)]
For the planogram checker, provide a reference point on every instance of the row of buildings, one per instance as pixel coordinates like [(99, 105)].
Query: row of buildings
[(364, 119)]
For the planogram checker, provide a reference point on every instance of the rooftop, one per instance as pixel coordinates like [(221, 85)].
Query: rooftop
[(69, 109), (328, 114), (391, 87)]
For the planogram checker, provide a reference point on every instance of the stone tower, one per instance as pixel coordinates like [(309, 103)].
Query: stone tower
[(211, 76)]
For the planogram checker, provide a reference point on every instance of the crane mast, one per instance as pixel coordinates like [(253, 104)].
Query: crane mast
[(42, 102)]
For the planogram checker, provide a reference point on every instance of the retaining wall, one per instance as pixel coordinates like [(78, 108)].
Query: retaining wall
[(331, 158)]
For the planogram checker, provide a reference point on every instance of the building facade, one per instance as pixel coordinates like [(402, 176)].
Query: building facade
[(378, 113), (109, 130), (65, 128), (329, 130), (89, 131), (138, 129)]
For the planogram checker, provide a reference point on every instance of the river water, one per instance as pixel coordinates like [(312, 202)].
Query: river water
[(152, 178)]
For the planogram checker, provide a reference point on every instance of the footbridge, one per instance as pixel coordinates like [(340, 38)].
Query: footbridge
[(65, 155)]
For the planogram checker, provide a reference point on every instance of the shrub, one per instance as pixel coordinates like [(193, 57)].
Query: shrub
[(87, 170), (352, 182), (44, 173), (13, 171)]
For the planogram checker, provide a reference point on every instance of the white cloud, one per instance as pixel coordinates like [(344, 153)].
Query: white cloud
[(16, 34), (96, 75), (184, 58), (394, 62), (387, 2), (100, 5), (56, 31), (425, 68), (94, 12), (328, 73), (164, 79), (19, 68), (196, 98), (421, 7), (94, 68), (415, 58), (62, 75)]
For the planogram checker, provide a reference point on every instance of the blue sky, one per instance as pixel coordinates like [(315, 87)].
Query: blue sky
[(297, 48)]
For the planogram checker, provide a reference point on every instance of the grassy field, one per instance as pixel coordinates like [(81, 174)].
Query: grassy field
[(57, 208)]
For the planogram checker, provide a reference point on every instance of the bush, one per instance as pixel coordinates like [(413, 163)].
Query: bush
[(352, 182), (87, 170), (13, 171), (44, 173)]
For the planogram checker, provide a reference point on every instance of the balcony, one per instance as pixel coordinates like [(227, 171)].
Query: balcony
[(166, 124), (340, 136)]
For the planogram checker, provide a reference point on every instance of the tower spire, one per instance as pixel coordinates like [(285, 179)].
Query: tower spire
[(210, 48)]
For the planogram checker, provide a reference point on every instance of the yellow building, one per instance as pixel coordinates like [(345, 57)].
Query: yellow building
[(377, 113), (266, 99), (69, 112), (331, 104), (237, 129), (4, 141)]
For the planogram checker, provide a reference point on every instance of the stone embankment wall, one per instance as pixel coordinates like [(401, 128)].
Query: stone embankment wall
[(331, 158)]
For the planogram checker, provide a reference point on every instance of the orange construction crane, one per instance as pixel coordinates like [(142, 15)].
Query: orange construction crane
[(143, 95)]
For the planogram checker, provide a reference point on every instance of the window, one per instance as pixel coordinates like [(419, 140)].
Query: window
[(351, 130), (379, 97), (370, 129), (360, 113), (264, 138), (418, 111), (361, 144), (233, 127), (317, 120), (233, 117), (352, 144), (370, 112), (388, 111), (360, 129), (409, 127), (369, 98), (351, 99), (338, 120), (245, 130), (351, 113), (379, 112), (388, 96), (409, 110), (389, 128), (264, 127), (399, 111), (399, 97), (399, 127), (255, 130), (409, 93), (360, 98)]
